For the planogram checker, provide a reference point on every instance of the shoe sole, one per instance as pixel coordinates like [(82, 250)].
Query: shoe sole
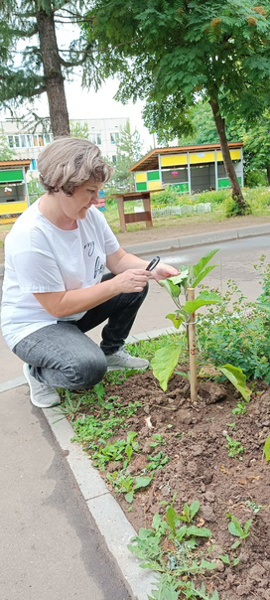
[(26, 374)]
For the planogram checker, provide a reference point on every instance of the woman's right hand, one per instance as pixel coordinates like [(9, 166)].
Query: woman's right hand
[(131, 280)]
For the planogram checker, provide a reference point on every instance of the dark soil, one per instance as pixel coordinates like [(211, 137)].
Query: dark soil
[(199, 468)]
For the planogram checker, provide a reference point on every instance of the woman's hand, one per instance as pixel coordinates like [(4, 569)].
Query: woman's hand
[(163, 271), (131, 280)]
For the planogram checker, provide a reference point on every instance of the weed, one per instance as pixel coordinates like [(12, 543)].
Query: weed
[(235, 447), (157, 461), (124, 483), (241, 532), (158, 440), (116, 450), (254, 506), (182, 561), (240, 409)]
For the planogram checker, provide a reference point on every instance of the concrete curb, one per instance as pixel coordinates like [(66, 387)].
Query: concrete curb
[(200, 239)]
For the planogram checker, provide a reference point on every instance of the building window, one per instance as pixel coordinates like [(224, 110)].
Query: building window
[(114, 137), (95, 138), (29, 139)]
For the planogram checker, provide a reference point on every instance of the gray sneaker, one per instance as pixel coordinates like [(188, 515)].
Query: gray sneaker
[(123, 360), (41, 395)]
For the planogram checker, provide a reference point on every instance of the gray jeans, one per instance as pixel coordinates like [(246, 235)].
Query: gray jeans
[(61, 355)]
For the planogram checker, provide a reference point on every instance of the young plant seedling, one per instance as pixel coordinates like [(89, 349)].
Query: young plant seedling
[(166, 358), (241, 532), (234, 447)]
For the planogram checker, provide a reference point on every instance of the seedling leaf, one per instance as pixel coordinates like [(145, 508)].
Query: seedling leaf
[(141, 482), (176, 319), (203, 299), (198, 531), (196, 269), (202, 275), (238, 379), (164, 362)]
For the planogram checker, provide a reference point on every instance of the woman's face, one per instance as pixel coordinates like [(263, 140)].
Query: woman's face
[(75, 206)]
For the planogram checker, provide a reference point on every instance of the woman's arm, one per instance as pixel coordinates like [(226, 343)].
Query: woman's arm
[(67, 303), (121, 260)]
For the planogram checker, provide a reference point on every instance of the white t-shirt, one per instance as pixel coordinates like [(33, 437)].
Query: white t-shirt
[(40, 257)]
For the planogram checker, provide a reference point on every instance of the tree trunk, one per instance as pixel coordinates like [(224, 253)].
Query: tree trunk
[(54, 80), (228, 164), (268, 173)]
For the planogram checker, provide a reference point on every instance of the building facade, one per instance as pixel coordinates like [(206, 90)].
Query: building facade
[(102, 132), (187, 169)]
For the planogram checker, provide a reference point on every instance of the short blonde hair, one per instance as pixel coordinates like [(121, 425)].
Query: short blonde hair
[(68, 162)]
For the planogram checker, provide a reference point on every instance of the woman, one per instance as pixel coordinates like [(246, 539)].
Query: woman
[(54, 288)]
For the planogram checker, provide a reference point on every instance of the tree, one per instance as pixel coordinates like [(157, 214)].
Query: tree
[(172, 53), (257, 144), (43, 65), (128, 151), (6, 153)]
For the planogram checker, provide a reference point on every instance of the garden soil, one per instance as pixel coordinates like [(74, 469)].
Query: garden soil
[(199, 468)]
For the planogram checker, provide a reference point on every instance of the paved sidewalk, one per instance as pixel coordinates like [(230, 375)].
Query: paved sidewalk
[(55, 513)]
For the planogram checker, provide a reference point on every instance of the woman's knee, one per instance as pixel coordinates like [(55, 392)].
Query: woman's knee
[(88, 372)]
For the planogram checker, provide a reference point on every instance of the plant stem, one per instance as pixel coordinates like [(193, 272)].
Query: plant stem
[(192, 349)]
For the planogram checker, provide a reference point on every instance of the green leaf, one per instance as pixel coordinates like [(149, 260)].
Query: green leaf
[(173, 284), (196, 269), (141, 482), (235, 527), (225, 559), (205, 564), (203, 299), (171, 517), (164, 362), (173, 290), (176, 320), (198, 531), (202, 275), (194, 507), (266, 448), (129, 497), (237, 378)]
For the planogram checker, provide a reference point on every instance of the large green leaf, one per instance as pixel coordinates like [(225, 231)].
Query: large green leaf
[(202, 275), (164, 362), (196, 269), (173, 284), (203, 299), (237, 378)]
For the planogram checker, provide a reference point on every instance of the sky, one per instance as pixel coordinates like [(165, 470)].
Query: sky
[(88, 104)]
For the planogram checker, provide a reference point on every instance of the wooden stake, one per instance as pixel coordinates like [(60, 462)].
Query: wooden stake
[(192, 349)]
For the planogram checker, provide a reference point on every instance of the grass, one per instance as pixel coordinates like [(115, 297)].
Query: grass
[(258, 198)]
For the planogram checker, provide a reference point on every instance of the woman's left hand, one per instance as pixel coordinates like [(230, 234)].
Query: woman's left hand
[(163, 271)]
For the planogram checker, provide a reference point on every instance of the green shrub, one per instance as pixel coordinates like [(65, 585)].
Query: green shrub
[(167, 197), (231, 208), (255, 178), (216, 196), (238, 332)]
